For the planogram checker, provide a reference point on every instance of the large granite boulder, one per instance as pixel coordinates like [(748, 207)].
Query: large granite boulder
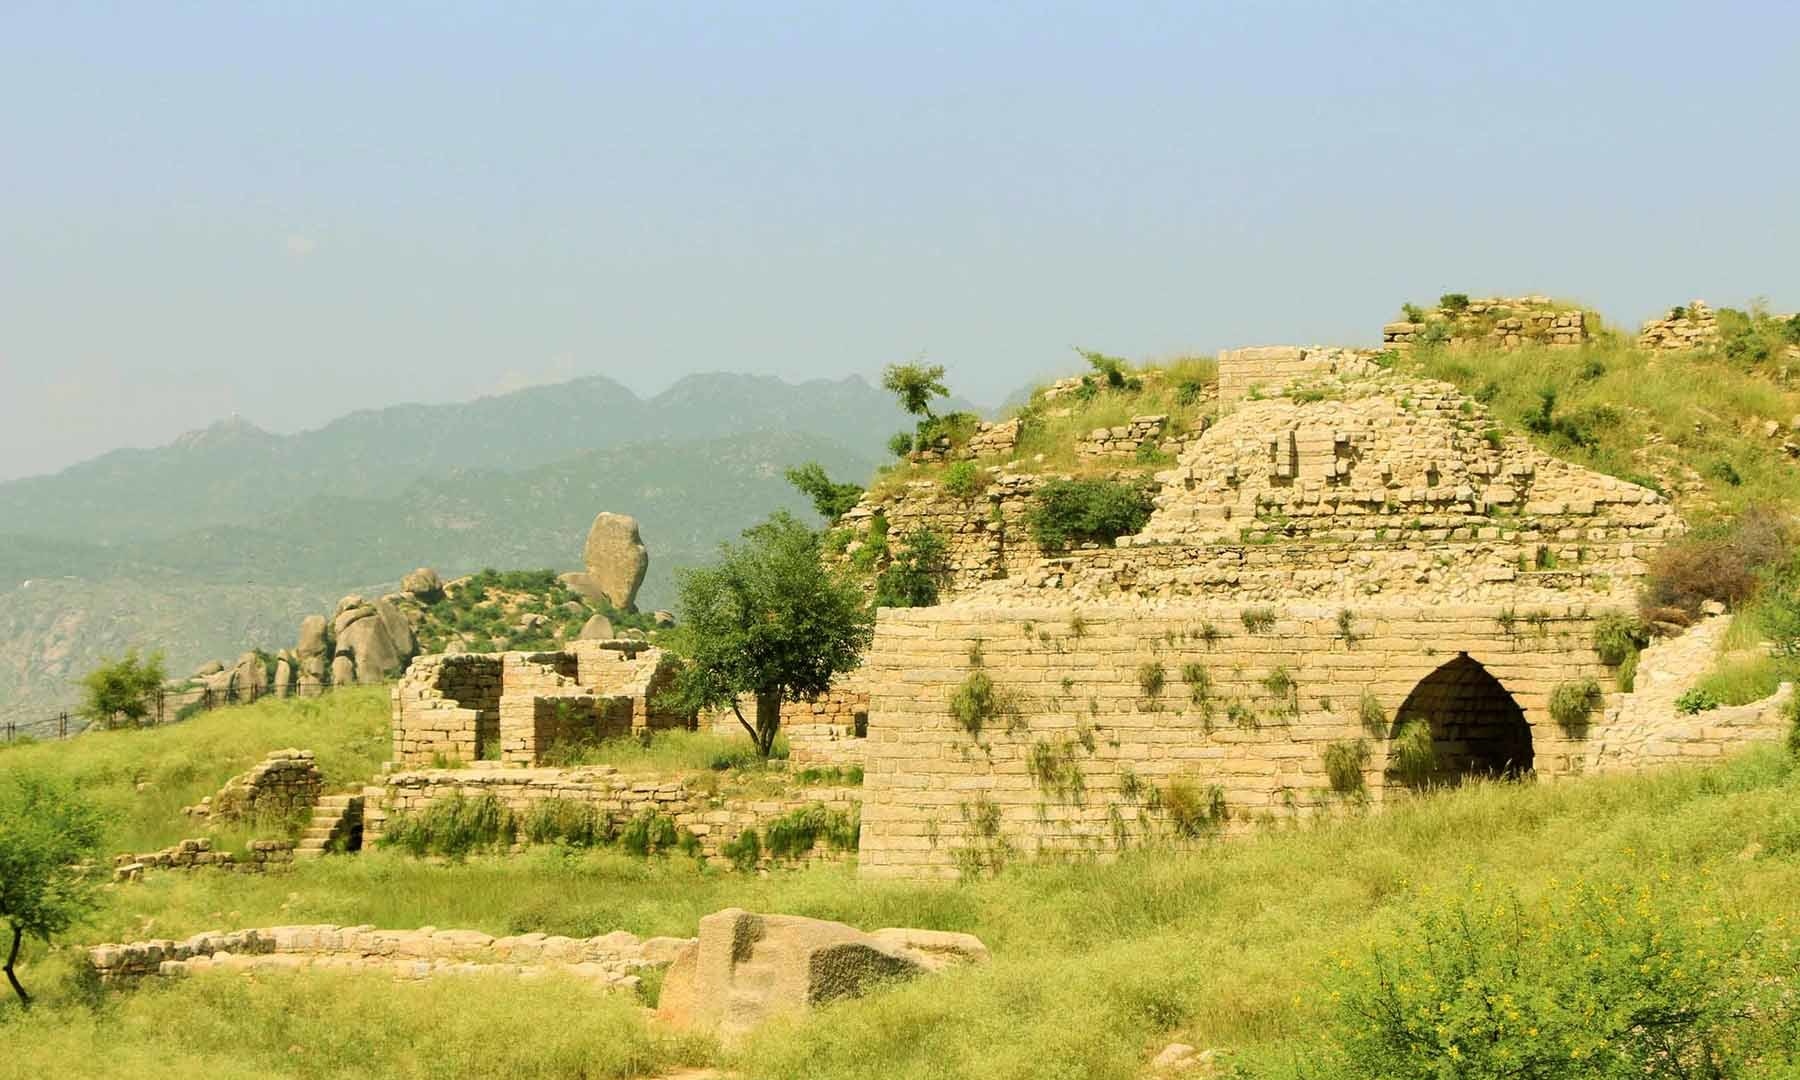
[(313, 652), (250, 676), (376, 639), (615, 560), (423, 585), (745, 968), (597, 628)]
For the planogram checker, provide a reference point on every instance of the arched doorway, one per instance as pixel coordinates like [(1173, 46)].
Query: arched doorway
[(1459, 722)]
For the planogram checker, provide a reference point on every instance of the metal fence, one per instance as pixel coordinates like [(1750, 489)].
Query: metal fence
[(164, 707)]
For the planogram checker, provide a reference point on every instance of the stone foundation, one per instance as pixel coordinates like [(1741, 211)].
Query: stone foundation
[(1506, 322), (1124, 441), (612, 960), (260, 856)]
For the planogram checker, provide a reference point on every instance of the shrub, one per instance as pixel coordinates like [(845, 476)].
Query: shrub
[(831, 500), (977, 701), (1454, 301), (1114, 372), (1069, 512), (744, 850), (1573, 703), (1723, 563), (1615, 980), (900, 443), (964, 480), (916, 573), (1619, 637), (1199, 683), (119, 692), (1194, 811), (1413, 759), (798, 831), (1151, 678), (1344, 764), (1258, 620), (1793, 735), (565, 821), (1374, 718), (1346, 628), (649, 833), (1696, 700), (1055, 767), (455, 825)]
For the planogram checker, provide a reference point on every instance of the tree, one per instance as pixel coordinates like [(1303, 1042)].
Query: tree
[(121, 690), (916, 573), (832, 501), (49, 842), (769, 621), (916, 385)]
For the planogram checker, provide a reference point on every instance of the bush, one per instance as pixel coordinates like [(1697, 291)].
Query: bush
[(977, 701), (1723, 564), (1618, 638), (1374, 718), (565, 821), (455, 825), (798, 831), (831, 500), (1412, 759), (1151, 677), (1573, 703), (1345, 761), (744, 850), (1696, 700), (964, 480), (1069, 512), (1258, 620), (1454, 301), (900, 443), (120, 691), (916, 573), (1194, 811), (650, 833), (1612, 981)]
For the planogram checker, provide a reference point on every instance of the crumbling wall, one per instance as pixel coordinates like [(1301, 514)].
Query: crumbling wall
[(1695, 326), (1505, 322), (1265, 370), (285, 784), (1097, 706), (260, 856)]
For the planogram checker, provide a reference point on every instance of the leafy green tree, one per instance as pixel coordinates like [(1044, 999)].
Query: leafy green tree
[(120, 692), (49, 842), (916, 573), (767, 620), (832, 501), (915, 385)]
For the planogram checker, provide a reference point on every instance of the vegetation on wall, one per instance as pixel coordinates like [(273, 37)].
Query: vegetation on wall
[(1065, 513), (916, 572)]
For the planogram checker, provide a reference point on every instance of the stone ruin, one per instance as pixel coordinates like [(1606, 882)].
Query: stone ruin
[(1346, 556), (516, 707), (1695, 326), (285, 784), (1506, 322)]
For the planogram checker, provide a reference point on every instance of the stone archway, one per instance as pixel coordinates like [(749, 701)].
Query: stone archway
[(1476, 729)]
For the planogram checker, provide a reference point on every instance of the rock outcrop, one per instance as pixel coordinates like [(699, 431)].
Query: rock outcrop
[(745, 968), (597, 628), (615, 561), (423, 585)]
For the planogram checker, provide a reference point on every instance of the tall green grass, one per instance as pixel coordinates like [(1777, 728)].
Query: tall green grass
[(142, 778), (1095, 966)]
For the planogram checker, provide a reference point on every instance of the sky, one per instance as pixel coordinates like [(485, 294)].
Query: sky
[(287, 212)]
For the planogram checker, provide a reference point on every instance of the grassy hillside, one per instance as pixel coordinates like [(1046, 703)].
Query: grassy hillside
[(1253, 946)]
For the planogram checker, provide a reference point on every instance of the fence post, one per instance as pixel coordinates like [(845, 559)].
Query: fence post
[(62, 725)]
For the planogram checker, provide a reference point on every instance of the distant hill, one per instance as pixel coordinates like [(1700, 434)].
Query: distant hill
[(234, 473), (223, 539)]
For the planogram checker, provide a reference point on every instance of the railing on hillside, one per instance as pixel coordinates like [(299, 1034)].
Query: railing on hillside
[(165, 707)]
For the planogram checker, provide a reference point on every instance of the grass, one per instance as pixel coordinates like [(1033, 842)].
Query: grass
[(1744, 679), (1667, 419), (670, 752), (142, 778), (1096, 965)]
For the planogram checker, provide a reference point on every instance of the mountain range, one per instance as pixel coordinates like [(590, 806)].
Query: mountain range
[(223, 539)]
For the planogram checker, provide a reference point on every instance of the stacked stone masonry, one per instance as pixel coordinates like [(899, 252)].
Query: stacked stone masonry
[(259, 857), (1268, 370), (1125, 440), (827, 730), (715, 820), (1139, 695), (517, 707), (283, 785), (614, 960), (1507, 322), (1695, 326)]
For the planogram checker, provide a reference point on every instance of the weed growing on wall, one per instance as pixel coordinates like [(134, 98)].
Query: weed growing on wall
[(1572, 704), (1346, 628), (798, 831), (1374, 718), (984, 849), (1065, 513), (456, 826), (744, 850), (1055, 767), (1194, 811), (1152, 677), (566, 821), (977, 702), (1413, 758), (1281, 688), (1345, 761), (1258, 620)]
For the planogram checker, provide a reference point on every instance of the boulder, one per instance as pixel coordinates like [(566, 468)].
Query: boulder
[(371, 647), (350, 616), (597, 628), (614, 559), (211, 667), (423, 585), (313, 653), (664, 619), (283, 686), (399, 629), (343, 671), (250, 675), (745, 968)]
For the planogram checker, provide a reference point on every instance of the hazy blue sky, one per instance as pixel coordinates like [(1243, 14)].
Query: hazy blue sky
[(208, 208)]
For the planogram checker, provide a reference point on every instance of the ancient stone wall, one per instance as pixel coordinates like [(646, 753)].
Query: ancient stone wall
[(823, 731), (1506, 322), (985, 534), (1266, 370), (285, 785), (1695, 326), (612, 960), (517, 706), (1124, 441), (1106, 703), (259, 857), (715, 820)]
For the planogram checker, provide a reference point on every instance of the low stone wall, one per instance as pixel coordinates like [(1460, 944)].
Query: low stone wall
[(1125, 440), (612, 960), (1266, 369), (715, 820), (285, 784), (828, 730), (1506, 322), (259, 857), (1695, 326)]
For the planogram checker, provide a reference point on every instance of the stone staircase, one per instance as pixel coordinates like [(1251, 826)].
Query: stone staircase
[(335, 817)]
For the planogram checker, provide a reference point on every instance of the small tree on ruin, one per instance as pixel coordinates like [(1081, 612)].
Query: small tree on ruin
[(767, 621)]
